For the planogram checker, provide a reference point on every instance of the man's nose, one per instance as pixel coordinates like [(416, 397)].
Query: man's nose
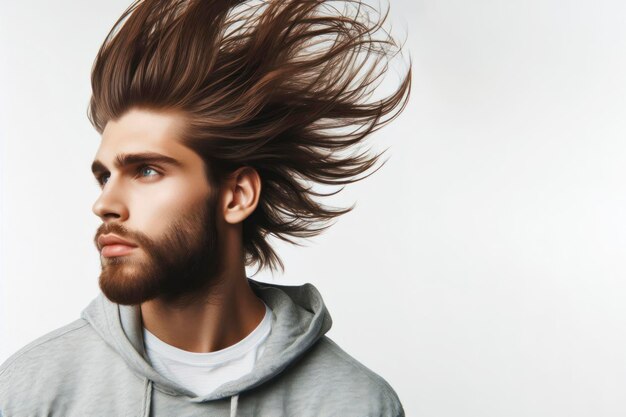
[(110, 204)]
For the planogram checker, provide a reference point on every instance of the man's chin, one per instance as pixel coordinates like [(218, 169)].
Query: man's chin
[(126, 287), (126, 296)]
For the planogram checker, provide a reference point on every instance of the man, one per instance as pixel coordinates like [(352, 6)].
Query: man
[(212, 116)]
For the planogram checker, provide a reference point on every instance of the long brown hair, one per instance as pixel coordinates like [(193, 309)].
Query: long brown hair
[(282, 86)]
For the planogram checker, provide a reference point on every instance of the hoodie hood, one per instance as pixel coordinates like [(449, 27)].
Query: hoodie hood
[(299, 319)]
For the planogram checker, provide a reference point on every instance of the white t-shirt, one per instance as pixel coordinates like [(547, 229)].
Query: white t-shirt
[(203, 372)]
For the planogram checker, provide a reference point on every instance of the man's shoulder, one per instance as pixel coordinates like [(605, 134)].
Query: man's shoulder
[(331, 358), (51, 354), (70, 370), (50, 344), (337, 377)]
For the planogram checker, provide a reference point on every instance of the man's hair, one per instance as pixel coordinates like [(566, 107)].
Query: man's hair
[(282, 86)]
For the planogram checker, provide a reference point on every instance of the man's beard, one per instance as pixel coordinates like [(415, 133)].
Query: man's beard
[(179, 268)]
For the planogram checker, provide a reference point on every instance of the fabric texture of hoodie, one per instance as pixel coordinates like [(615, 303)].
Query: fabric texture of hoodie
[(97, 366)]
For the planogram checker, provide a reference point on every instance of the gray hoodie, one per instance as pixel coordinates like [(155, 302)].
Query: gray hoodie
[(97, 366)]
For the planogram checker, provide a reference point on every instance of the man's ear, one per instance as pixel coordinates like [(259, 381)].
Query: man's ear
[(240, 194)]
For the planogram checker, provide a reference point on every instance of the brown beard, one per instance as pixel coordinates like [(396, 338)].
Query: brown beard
[(179, 268)]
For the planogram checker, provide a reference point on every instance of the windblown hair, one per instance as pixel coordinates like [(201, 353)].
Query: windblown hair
[(281, 86)]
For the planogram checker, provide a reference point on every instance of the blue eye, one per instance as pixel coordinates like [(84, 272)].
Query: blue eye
[(101, 180), (149, 168)]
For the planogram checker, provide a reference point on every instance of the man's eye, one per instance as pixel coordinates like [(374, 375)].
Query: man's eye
[(102, 179), (147, 167)]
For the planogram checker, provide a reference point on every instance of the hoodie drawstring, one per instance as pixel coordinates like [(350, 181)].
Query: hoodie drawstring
[(233, 405), (147, 399), (145, 407)]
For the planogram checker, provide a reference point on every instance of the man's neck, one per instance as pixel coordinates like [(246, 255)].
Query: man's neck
[(231, 312)]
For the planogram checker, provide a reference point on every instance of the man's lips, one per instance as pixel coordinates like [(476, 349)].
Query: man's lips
[(116, 250), (109, 240)]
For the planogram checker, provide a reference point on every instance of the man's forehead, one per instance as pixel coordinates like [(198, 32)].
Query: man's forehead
[(141, 131), (144, 126)]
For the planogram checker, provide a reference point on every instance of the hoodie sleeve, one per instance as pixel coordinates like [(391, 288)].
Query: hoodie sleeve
[(333, 383), (29, 376), (4, 388), (364, 384), (10, 386)]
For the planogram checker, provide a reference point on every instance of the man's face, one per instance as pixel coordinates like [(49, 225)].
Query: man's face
[(164, 208)]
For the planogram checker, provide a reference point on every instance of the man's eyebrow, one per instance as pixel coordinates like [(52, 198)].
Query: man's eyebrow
[(124, 160)]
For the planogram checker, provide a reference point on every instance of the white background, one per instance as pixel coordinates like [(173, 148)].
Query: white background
[(482, 272)]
